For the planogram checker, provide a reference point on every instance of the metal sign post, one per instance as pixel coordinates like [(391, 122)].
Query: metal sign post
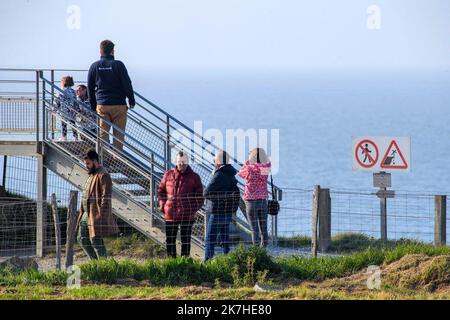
[(383, 181)]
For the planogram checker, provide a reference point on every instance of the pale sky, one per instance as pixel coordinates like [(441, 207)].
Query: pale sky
[(227, 34)]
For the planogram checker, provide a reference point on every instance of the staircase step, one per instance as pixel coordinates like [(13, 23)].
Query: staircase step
[(135, 180), (140, 192), (75, 147)]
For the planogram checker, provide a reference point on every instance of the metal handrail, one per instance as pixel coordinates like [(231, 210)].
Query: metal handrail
[(41, 69), (152, 128), (187, 128), (133, 112), (119, 154), (94, 114)]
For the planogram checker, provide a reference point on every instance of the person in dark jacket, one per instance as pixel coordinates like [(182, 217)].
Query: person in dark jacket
[(180, 196), (223, 195), (108, 87)]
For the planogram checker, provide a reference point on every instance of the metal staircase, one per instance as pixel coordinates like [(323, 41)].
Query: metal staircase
[(149, 144)]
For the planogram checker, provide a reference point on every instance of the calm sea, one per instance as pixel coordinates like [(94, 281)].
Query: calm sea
[(317, 113)]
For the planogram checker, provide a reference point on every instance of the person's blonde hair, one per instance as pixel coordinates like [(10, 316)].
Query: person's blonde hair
[(263, 158)]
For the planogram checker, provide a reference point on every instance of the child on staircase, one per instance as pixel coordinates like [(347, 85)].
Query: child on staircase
[(67, 106)]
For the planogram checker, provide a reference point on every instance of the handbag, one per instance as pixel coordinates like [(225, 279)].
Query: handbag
[(273, 205)]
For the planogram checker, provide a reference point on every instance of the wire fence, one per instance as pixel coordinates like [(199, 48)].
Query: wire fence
[(355, 220), (409, 215), (11, 107), (17, 226)]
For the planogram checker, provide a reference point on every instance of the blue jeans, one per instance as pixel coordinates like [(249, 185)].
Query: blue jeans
[(218, 228), (257, 218)]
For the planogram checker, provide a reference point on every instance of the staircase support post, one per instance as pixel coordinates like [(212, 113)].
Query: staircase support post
[(41, 196), (36, 111), (152, 189), (41, 178), (5, 166), (167, 145), (44, 117), (98, 143), (52, 78)]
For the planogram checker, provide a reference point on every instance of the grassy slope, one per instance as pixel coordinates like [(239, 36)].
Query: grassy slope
[(200, 292), (227, 277)]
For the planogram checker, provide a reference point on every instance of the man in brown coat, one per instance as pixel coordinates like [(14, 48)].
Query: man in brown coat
[(96, 220)]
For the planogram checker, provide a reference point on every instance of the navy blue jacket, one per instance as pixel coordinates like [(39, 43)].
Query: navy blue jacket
[(222, 193), (109, 83)]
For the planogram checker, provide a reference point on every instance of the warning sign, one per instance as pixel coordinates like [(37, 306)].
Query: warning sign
[(381, 153), (366, 153), (394, 159)]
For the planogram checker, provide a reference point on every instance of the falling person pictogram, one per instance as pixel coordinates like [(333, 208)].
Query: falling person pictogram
[(390, 160)]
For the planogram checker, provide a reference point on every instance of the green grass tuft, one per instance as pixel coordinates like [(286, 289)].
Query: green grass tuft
[(346, 242), (31, 277), (136, 246)]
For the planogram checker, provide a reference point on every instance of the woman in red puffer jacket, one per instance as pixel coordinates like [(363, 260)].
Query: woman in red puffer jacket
[(180, 196)]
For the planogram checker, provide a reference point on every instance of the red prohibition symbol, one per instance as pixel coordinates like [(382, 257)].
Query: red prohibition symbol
[(364, 149)]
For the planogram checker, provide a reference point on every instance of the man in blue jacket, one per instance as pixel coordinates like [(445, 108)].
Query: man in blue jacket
[(108, 87), (223, 196)]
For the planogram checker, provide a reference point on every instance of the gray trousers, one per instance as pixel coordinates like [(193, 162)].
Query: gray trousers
[(257, 218)]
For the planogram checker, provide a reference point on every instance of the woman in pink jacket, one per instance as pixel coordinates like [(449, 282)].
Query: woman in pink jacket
[(255, 172)]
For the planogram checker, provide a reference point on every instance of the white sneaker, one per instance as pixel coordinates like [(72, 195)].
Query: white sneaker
[(62, 139)]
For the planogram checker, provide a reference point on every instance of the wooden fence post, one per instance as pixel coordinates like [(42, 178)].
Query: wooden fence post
[(440, 216), (57, 230), (324, 220), (315, 220), (72, 218)]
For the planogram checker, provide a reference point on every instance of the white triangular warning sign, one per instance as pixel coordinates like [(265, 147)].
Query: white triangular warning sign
[(393, 158)]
